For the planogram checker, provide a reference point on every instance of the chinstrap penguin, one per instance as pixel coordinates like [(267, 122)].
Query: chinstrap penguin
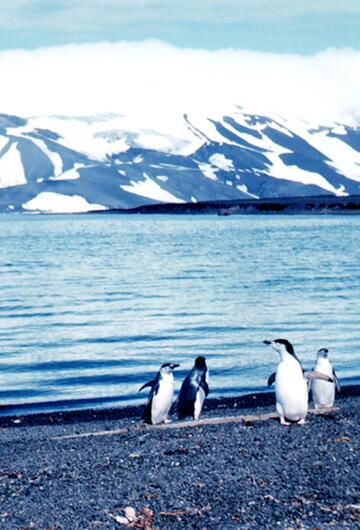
[(323, 392), (161, 395), (291, 383), (194, 390)]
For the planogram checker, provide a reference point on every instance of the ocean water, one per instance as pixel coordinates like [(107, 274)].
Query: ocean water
[(92, 305)]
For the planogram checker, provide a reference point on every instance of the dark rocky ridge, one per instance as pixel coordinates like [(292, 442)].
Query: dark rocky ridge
[(288, 205)]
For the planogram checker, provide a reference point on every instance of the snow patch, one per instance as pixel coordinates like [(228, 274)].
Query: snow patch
[(54, 158), (280, 128), (204, 129), (3, 142), (217, 162), (74, 133), (220, 161), (163, 178), (154, 141), (150, 189), (342, 157), (49, 202), (208, 171), (244, 189), (340, 129), (70, 174), (279, 170), (11, 168)]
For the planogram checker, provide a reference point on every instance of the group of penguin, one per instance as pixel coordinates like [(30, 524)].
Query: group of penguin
[(292, 385), (193, 392)]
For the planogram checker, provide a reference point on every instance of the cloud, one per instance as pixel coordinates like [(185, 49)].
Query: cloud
[(155, 78)]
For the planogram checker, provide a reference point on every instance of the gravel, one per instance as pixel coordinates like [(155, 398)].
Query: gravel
[(249, 475)]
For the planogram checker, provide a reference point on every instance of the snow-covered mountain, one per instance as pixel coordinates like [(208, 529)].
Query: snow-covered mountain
[(76, 164)]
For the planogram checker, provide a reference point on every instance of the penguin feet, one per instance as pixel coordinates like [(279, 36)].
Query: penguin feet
[(283, 421), (167, 420)]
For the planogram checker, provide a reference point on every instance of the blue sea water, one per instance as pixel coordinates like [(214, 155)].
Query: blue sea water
[(92, 305)]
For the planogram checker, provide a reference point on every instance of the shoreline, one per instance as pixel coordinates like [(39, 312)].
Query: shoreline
[(324, 204), (302, 205), (212, 475), (130, 412)]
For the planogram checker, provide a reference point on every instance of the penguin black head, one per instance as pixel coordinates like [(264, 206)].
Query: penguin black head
[(288, 346), (281, 346), (166, 368), (200, 363), (323, 353)]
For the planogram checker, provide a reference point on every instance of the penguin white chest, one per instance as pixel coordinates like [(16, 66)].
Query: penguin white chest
[(200, 395), (162, 401), (291, 390), (323, 392), (199, 401)]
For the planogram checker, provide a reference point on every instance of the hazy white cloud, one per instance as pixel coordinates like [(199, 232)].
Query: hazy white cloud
[(155, 78)]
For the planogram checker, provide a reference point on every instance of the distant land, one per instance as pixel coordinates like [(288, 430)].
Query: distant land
[(245, 162), (286, 205)]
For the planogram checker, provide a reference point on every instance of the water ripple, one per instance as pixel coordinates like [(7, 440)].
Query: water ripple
[(81, 328)]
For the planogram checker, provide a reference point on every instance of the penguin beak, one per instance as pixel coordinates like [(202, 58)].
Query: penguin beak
[(266, 341), (173, 366), (323, 352)]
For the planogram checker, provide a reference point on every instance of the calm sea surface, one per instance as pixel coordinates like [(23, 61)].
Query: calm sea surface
[(91, 306)]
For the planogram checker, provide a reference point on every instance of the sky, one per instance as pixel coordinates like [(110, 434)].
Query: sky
[(297, 57), (278, 26)]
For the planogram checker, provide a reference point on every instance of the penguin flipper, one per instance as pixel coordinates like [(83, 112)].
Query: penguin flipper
[(147, 412), (205, 387), (149, 383), (154, 390), (271, 379), (318, 375), (336, 381)]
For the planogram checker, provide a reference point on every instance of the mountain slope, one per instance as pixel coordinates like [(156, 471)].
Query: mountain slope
[(73, 164)]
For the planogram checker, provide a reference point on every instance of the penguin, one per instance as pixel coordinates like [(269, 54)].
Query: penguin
[(323, 392), (194, 390), (291, 388), (161, 395)]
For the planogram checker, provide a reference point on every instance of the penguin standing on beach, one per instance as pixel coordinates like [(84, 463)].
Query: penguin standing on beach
[(323, 392), (194, 390), (291, 384), (161, 395)]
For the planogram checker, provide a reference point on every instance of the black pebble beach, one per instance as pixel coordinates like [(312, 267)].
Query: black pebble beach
[(236, 475)]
